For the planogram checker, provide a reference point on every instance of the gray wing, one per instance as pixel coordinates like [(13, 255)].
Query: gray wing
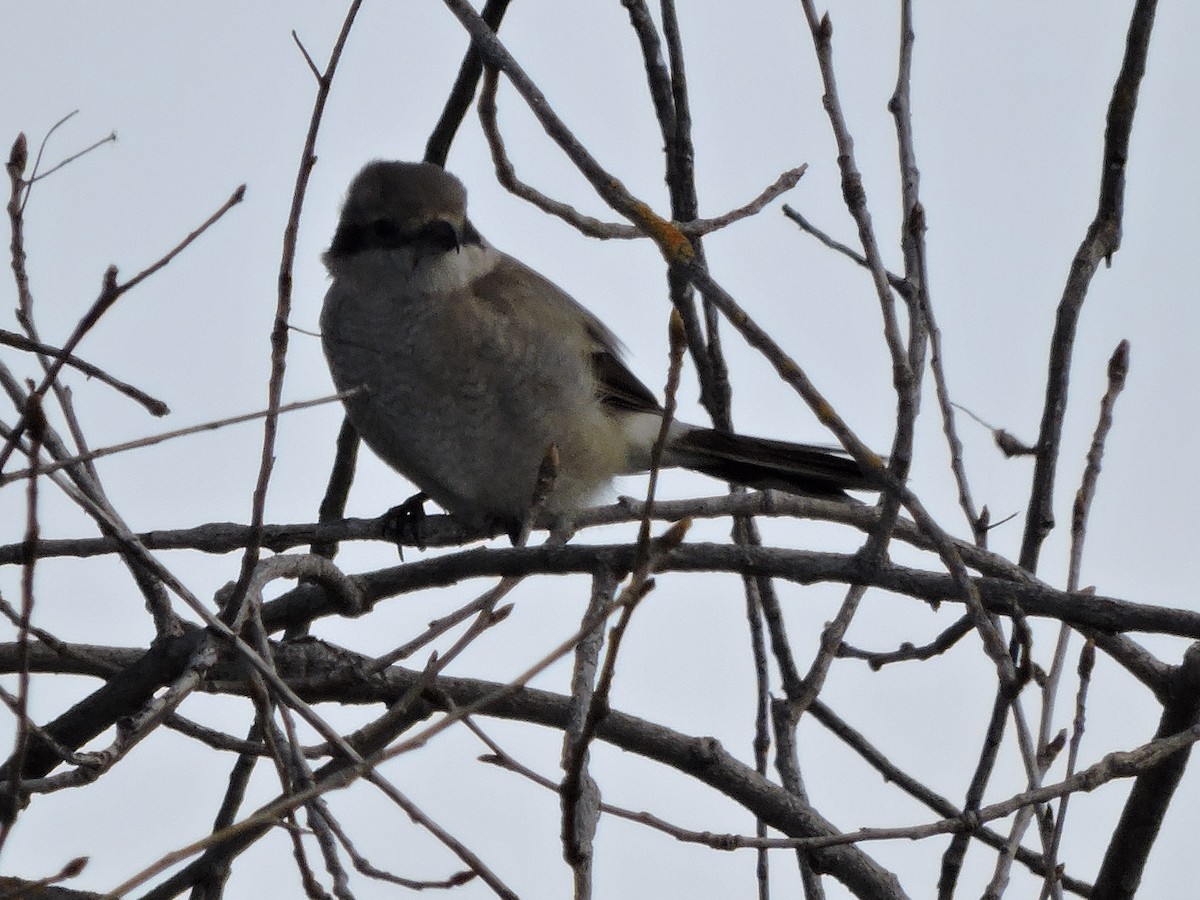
[(617, 387)]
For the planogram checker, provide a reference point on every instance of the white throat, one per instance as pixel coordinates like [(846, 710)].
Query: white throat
[(454, 269)]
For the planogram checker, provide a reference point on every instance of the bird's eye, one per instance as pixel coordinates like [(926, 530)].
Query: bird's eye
[(439, 235), (384, 229)]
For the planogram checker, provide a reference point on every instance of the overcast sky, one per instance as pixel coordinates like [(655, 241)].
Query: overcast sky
[(1009, 104)]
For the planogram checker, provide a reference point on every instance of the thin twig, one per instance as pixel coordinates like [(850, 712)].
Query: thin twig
[(828, 650), (787, 762), (716, 391), (283, 307), (897, 282), (312, 66), (437, 148), (1118, 368), (153, 439), (153, 406), (916, 273), (877, 659), (32, 529), (856, 200), (579, 795), (109, 138), (363, 865), (1087, 664)]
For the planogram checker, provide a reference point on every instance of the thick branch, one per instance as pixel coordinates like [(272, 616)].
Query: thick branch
[(1125, 859)]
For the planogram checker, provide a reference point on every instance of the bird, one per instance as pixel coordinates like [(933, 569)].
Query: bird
[(463, 369)]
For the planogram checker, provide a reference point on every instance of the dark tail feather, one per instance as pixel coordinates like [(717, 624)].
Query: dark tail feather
[(766, 464)]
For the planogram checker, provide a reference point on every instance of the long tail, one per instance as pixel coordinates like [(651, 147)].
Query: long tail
[(766, 464)]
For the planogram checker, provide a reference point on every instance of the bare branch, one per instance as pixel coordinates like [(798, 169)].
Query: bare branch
[(1101, 241), (592, 227), (153, 406), (283, 307), (312, 66), (166, 436), (109, 138), (16, 798)]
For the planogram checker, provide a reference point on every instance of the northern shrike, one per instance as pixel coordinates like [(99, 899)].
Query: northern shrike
[(471, 365)]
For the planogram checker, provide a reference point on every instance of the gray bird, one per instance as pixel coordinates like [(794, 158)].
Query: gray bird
[(472, 365)]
